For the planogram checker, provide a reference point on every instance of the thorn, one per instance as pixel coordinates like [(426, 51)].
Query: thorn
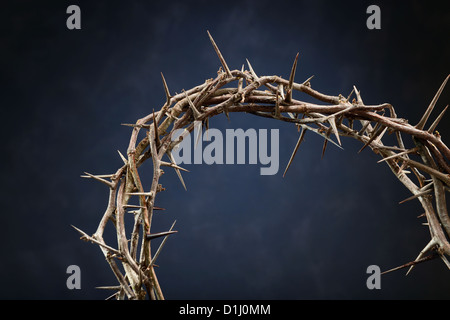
[(198, 127), (99, 175), (123, 158), (109, 288), (363, 129), (398, 154), (166, 89), (430, 108), (134, 125), (225, 110), (358, 96), (252, 71), (375, 135), (412, 263), (170, 115), (351, 92), (299, 141), (380, 136), (322, 135), (98, 178), (291, 80), (222, 60), (419, 194), (447, 263), (430, 245), (161, 245), (307, 81), (133, 206), (332, 123), (168, 164), (325, 143), (151, 236), (176, 169), (195, 112), (86, 237), (436, 122)]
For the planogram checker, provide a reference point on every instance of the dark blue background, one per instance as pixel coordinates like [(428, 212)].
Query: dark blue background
[(310, 235)]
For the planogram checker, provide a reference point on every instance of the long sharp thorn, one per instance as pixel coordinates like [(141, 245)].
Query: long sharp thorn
[(299, 141), (411, 264), (430, 245), (430, 108), (291, 80), (252, 71), (99, 175), (134, 125), (108, 183), (113, 296), (380, 136), (86, 237), (166, 89), (444, 258), (332, 122), (307, 81), (123, 158), (398, 155), (225, 110), (325, 136), (364, 128), (351, 92), (109, 288), (133, 206), (358, 96), (199, 133), (162, 245), (222, 60), (374, 136), (152, 236), (436, 122), (415, 196), (325, 142), (195, 112), (176, 169), (168, 164)]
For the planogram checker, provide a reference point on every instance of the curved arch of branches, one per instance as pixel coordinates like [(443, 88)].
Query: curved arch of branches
[(422, 168)]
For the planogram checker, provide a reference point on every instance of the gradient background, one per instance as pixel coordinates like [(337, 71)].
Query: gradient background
[(310, 235)]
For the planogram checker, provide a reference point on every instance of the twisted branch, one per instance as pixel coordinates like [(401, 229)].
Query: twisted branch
[(428, 176)]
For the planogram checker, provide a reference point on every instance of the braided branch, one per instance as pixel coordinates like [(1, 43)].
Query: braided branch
[(269, 97)]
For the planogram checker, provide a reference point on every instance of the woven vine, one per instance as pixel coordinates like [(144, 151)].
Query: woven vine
[(422, 168)]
